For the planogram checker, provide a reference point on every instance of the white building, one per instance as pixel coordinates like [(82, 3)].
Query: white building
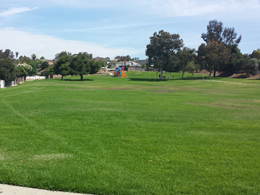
[(127, 63)]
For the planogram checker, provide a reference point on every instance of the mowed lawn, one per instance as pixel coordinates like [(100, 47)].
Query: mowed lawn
[(132, 135)]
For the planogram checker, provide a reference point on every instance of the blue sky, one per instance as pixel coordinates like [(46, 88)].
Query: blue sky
[(110, 28)]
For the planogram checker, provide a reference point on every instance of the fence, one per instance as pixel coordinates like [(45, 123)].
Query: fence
[(33, 78), (4, 84), (137, 69)]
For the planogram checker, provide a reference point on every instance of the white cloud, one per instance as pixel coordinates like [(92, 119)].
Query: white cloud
[(164, 8), (173, 8), (42, 45), (12, 11)]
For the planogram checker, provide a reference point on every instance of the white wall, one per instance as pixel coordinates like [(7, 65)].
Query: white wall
[(36, 77), (2, 84)]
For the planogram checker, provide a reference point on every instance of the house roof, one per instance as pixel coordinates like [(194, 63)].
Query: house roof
[(142, 61)]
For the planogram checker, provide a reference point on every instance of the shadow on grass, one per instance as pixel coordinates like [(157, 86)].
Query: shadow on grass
[(206, 77), (147, 79), (172, 79), (77, 80)]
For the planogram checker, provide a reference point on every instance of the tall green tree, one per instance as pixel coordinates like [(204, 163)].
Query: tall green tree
[(63, 53), (79, 65), (47, 71), (229, 37), (256, 54), (7, 67), (162, 47), (24, 59), (23, 70), (216, 33), (191, 67), (35, 64), (44, 65), (124, 58), (213, 55), (62, 66), (185, 55), (247, 64), (6, 54), (95, 66)]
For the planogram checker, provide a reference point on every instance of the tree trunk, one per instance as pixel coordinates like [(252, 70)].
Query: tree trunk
[(182, 74), (61, 77), (214, 73), (81, 77), (161, 73), (192, 75), (209, 74), (24, 78)]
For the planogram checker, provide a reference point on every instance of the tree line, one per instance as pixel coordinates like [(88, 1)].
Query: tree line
[(220, 52), (77, 64), (12, 67)]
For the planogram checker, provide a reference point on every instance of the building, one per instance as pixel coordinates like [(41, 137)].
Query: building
[(127, 63)]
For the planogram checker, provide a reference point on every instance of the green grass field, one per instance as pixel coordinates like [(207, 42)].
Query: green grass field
[(133, 135)]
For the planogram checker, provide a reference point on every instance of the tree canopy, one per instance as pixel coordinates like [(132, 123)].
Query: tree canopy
[(22, 70), (44, 65), (162, 47), (78, 64), (62, 66), (185, 55), (256, 54), (24, 59), (221, 50), (7, 67)]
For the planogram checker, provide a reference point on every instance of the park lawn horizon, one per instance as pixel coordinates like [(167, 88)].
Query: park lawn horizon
[(135, 135)]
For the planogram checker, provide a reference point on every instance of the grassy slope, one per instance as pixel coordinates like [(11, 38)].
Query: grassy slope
[(132, 136)]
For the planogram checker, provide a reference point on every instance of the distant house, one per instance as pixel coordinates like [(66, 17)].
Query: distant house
[(45, 60), (127, 63), (142, 62)]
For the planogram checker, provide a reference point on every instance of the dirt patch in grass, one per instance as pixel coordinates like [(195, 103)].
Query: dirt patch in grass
[(254, 77), (246, 101), (77, 89), (240, 75), (221, 105), (48, 157), (2, 157), (162, 91), (34, 113), (95, 109), (117, 89)]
